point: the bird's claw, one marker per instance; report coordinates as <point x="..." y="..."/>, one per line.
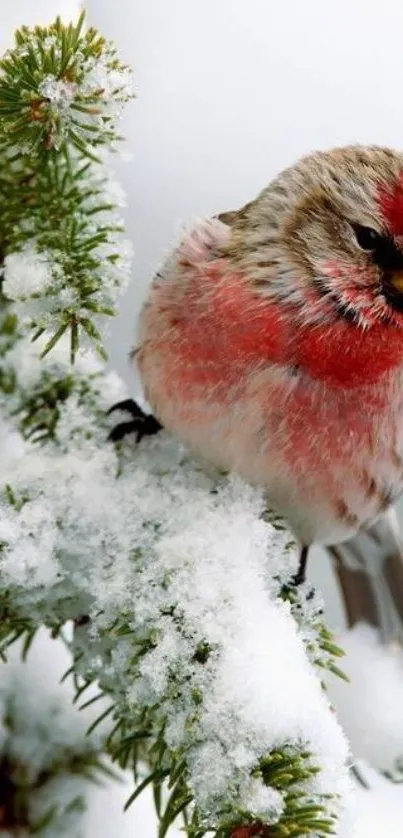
<point x="141" y="424"/>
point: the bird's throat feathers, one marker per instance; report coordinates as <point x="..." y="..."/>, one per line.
<point x="349" y="355"/>
<point x="229" y="323"/>
<point x="224" y="326"/>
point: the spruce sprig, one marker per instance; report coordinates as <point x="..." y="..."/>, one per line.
<point x="61" y="95"/>
<point x="61" y="85"/>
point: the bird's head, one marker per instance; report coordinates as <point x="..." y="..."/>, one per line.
<point x="326" y="237"/>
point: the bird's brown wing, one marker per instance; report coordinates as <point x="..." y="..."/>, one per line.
<point x="228" y="218"/>
<point x="369" y="569"/>
<point x="235" y="217"/>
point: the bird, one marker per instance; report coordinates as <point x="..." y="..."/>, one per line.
<point x="271" y="344"/>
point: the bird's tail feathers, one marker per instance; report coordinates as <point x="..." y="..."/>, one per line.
<point x="369" y="569"/>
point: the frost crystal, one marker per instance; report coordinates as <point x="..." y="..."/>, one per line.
<point x="46" y="756"/>
<point x="66" y="257"/>
<point x="100" y="89"/>
<point x="46" y="284"/>
<point x="27" y="273"/>
<point x="264" y="803"/>
<point x="59" y="92"/>
<point x="84" y="392"/>
<point x="103" y="75"/>
<point x="370" y="706"/>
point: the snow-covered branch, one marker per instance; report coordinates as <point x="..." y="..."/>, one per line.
<point x="46" y="757"/>
<point x="65" y="260"/>
<point x="177" y="581"/>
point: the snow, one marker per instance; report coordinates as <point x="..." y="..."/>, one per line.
<point x="23" y="361"/>
<point x="379" y="812"/>
<point x="115" y="83"/>
<point x="40" y="729"/>
<point x="26" y="273"/>
<point x="187" y="557"/>
<point x="44" y="717"/>
<point x="100" y="92"/>
<point x="370" y="707"/>
<point x="76" y="533"/>
<point x="41" y="285"/>
<point x="48" y="286"/>
<point x="60" y="92"/>
<point x="379" y="809"/>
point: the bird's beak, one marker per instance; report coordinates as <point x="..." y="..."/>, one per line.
<point x="396" y="280"/>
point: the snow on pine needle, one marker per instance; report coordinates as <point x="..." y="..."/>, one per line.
<point x="370" y="705"/>
<point x="62" y="84"/>
<point x="28" y="274"/>
<point x="180" y="576"/>
<point x="51" y="400"/>
<point x="46" y="757"/>
<point x="66" y="260"/>
<point x="69" y="292"/>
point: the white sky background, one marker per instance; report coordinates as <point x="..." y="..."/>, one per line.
<point x="14" y="13"/>
<point x="230" y="92"/>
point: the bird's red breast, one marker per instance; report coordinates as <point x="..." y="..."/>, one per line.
<point x="245" y="383"/>
<point x="215" y="326"/>
<point x="225" y="323"/>
<point x="347" y="355"/>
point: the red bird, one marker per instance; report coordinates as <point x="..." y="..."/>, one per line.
<point x="272" y="344"/>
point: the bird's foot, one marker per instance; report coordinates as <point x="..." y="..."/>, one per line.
<point x="300" y="576"/>
<point x="141" y="424"/>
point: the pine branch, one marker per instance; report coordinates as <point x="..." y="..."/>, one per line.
<point x="66" y="262"/>
<point x="46" y="759"/>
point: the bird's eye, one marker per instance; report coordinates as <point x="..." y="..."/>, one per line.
<point x="367" y="238"/>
